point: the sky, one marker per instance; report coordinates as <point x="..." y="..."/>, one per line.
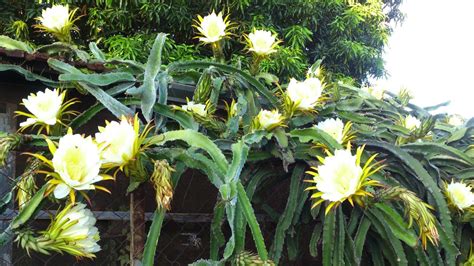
<point x="432" y="54"/>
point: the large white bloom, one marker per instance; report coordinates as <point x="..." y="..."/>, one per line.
<point x="269" y="119"/>
<point x="339" y="176"/>
<point x="77" y="162"/>
<point x="45" y="107"/>
<point x="197" y="108"/>
<point x="411" y="122"/>
<point x="334" y="127"/>
<point x="304" y="93"/>
<point x="212" y="27"/>
<point x="77" y="228"/>
<point x="118" y="142"/>
<point x="262" y="42"/>
<point x="55" y="18"/>
<point x="461" y="195"/>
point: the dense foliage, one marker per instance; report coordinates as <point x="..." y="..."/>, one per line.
<point x="386" y="181"/>
<point x="349" y="35"/>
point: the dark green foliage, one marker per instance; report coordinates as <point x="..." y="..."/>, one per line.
<point x="349" y="35"/>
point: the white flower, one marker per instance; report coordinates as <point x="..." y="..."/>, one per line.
<point x="269" y="119"/>
<point x="334" y="127"/>
<point x="118" y="142"/>
<point x="411" y="122"/>
<point x="304" y="93"/>
<point x="77" y="162"/>
<point x="376" y="92"/>
<point x="45" y="107"/>
<point x="212" y="27"/>
<point x="456" y="120"/>
<point x="55" y="18"/>
<point x="339" y="176"/>
<point x="76" y="227"/>
<point x="262" y="42"/>
<point x="197" y="108"/>
<point x="461" y="195"/>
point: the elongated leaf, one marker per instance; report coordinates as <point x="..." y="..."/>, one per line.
<point x="153" y="65"/>
<point x="396" y="224"/>
<point x="100" y="80"/>
<point x="315" y="236"/>
<point x="252" y="221"/>
<point x="230" y="246"/>
<point x="315" y="135"/>
<point x="62" y="67"/>
<point x="287" y="215"/>
<point x="424" y="177"/>
<point x="329" y="234"/>
<point x="120" y="88"/>
<point x="98" y="54"/>
<point x="152" y="238"/>
<point x="229" y="69"/>
<point x="393" y="250"/>
<point x="113" y="105"/>
<point x="217" y="237"/>
<point x="437" y="148"/>
<point x="162" y="85"/>
<point x="5" y="200"/>
<point x="30" y="76"/>
<point x="198" y="140"/>
<point x="359" y="240"/>
<point x="27" y="212"/>
<point x="340" y="239"/>
<point x="11" y="44"/>
<point x="239" y="157"/>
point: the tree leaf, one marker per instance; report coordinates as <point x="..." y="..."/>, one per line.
<point x="100" y="80"/>
<point x="287" y="216"/>
<point x="11" y="44"/>
<point x="153" y="65"/>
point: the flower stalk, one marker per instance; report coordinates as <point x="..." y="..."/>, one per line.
<point x="416" y="210"/>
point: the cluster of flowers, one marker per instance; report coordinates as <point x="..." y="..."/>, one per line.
<point x="79" y="162"/>
<point x="340" y="176"/>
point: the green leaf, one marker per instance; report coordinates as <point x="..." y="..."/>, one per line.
<point x="153" y="65"/>
<point x="396" y="224"/>
<point x="315" y="236"/>
<point x="436" y="148"/>
<point x="62" y="67"/>
<point x="152" y="238"/>
<point x="340" y="239"/>
<point x="11" y="44"/>
<point x="113" y="105"/>
<point x="287" y="216"/>
<point x="198" y="140"/>
<point x="329" y="234"/>
<point x="315" y="135"/>
<point x="394" y="250"/>
<point x="98" y="54"/>
<point x="100" y="80"/>
<point x="5" y="201"/>
<point x="252" y="221"/>
<point x="30" y="76"/>
<point x="27" y="212"/>
<point x="239" y="157"/>
<point x="424" y="177"/>
<point x="217" y="237"/>
<point x="229" y="69"/>
<point x="230" y="246"/>
<point x="359" y="240"/>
